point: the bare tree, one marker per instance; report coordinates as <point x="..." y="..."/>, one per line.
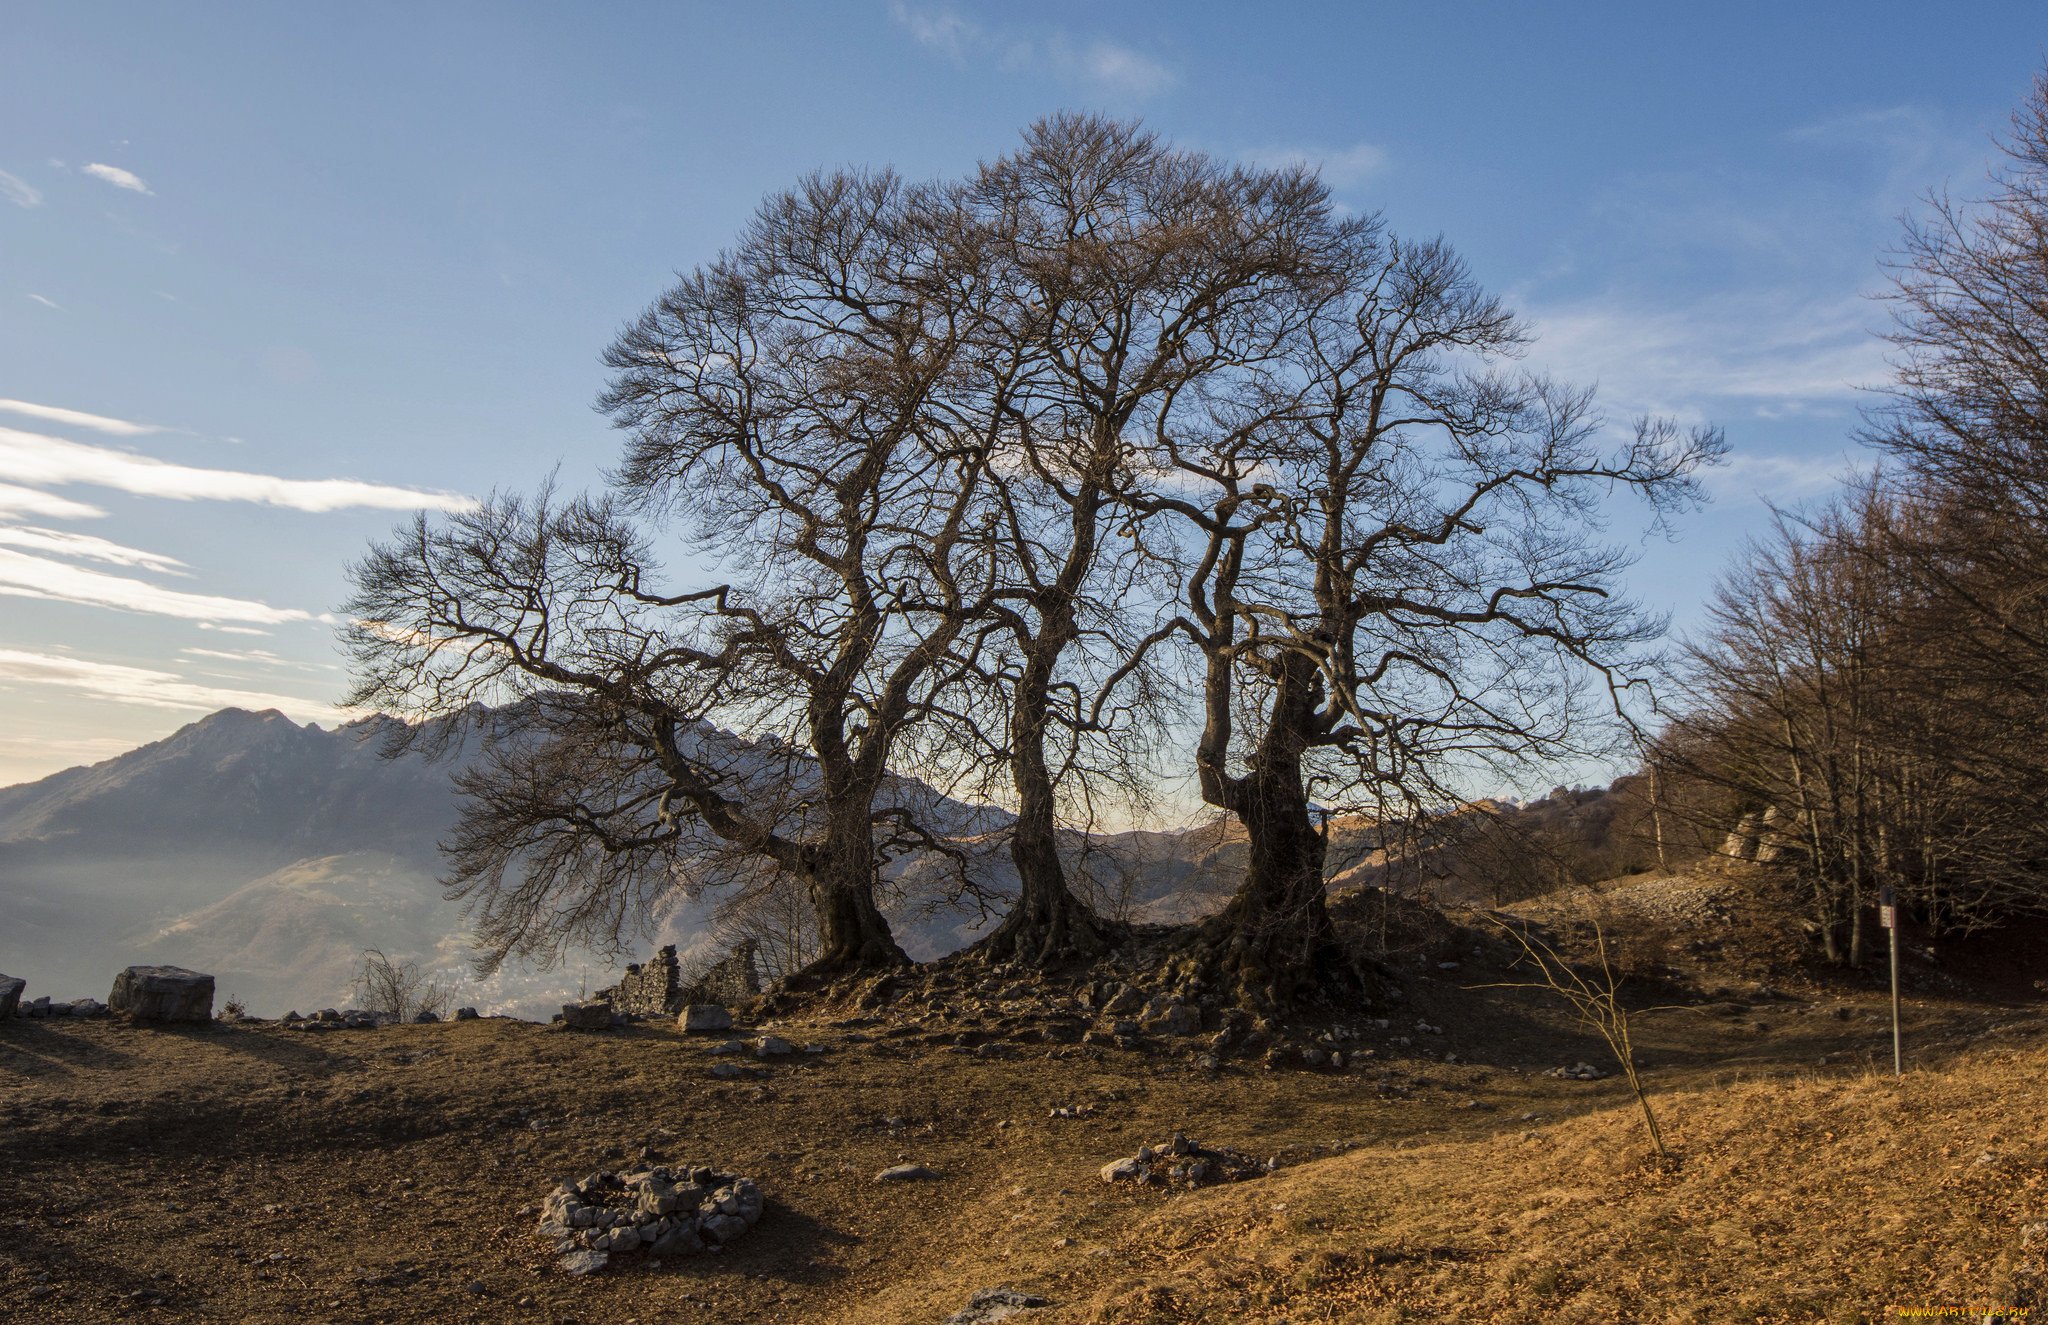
<point x="397" y="989"/>
<point x="1393" y="576"/>
<point x="784" y="406"/>
<point x="1130" y="273"/>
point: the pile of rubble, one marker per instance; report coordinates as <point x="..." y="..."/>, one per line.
<point x="1184" y="1163"/>
<point x="660" y="1211"/>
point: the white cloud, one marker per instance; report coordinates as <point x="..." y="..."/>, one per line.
<point x="1765" y="353"/>
<point x="149" y="688"/>
<point x="52" y="461"/>
<point x="232" y="630"/>
<point x="45" y="302"/>
<point x="19" y="191"/>
<point x="260" y="657"/>
<point x="76" y="418"/>
<point x="1109" y="67"/>
<point x="119" y="178"/>
<point x="87" y="548"/>
<point x="1778" y="477"/>
<point x="943" y="30"/>
<point x="1340" y="167"/>
<point x="44" y="505"/>
<point x="1098" y="63"/>
<point x="25" y="576"/>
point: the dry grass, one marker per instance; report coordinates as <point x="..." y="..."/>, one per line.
<point x="1816" y="1199"/>
<point x="248" y="1173"/>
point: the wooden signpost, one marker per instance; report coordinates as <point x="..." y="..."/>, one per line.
<point x="1888" y="916"/>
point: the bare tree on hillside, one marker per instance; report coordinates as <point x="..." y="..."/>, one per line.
<point x="1392" y="574"/>
<point x="786" y="405"/>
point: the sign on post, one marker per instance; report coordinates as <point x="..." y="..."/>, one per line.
<point x="1888" y="916"/>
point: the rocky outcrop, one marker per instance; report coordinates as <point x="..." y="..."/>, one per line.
<point x="163" y="993"/>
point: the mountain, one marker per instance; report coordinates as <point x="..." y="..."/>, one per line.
<point x="271" y="854"/>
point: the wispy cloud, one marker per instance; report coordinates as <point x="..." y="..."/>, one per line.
<point x="258" y="657"/>
<point x="43" y="505"/>
<point x="23" y="575"/>
<point x="1108" y="66"/>
<point x="1765" y="354"/>
<point x="74" y="417"/>
<point x="1779" y="477"/>
<point x="84" y="547"/>
<point x="1097" y="63"/>
<point x="46" y="303"/>
<point x="19" y="191"/>
<point x="1340" y="167"/>
<point x="147" y="687"/>
<point x="44" y="461"/>
<point x="232" y="630"/>
<point x="119" y="178"/>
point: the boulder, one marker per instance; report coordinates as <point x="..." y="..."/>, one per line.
<point x="991" y="1305"/>
<point x="906" y="1173"/>
<point x="587" y="1016"/>
<point x="87" y="1007"/>
<point x="465" y="1014"/>
<point x="705" y="1017"/>
<point x="163" y="993"/>
<point x="10" y="994"/>
<point x="772" y="1046"/>
<point x="425" y="1017"/>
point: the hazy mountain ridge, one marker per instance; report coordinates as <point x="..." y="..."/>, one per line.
<point x="271" y="854"/>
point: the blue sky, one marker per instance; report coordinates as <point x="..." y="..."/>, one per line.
<point x="272" y="274"/>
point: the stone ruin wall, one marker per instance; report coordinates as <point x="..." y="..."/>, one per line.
<point x="648" y="990"/>
<point x="657" y="988"/>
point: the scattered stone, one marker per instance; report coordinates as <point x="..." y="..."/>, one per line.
<point x="661" y="1211"/>
<point x="425" y="1017"/>
<point x="705" y="1017"/>
<point x="1185" y="1163"/>
<point x="729" y="1047"/>
<point x="86" y="1007"/>
<point x="1577" y="1072"/>
<point x="10" y="994"/>
<point x="465" y="1014"/>
<point x="728" y="1071"/>
<point x="1171" y="1017"/>
<point x="587" y="1016"/>
<point x="906" y="1173"/>
<point x="990" y="1305"/>
<point x="773" y="1046"/>
<point x="163" y="993"/>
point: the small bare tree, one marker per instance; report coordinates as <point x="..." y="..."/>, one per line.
<point x="398" y="989"/>
<point x="1597" y="1000"/>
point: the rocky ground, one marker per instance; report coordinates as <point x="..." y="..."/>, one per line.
<point x="940" y="1139"/>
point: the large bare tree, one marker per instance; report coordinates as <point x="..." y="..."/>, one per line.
<point x="1129" y="274"/>
<point x="1394" y="576"/>
<point x="785" y="407"/>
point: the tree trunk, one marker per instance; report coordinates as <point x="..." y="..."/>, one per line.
<point x="1274" y="945"/>
<point x="853" y="935"/>
<point x="1048" y="923"/>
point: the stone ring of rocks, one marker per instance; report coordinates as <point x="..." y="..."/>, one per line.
<point x="1184" y="1163"/>
<point x="660" y="1211"/>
